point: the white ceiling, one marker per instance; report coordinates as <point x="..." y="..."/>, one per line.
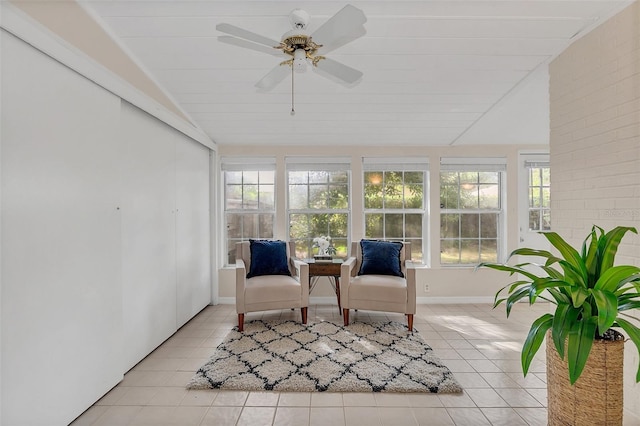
<point x="450" y="72"/>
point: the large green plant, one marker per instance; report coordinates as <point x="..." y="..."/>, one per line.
<point x="588" y="290"/>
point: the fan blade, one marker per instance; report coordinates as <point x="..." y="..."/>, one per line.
<point x="273" y="77"/>
<point x="338" y="72"/>
<point x="342" y="28"/>
<point x="248" y="35"/>
<point x="249" y="45"/>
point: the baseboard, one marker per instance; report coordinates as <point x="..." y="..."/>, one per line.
<point x="419" y="300"/>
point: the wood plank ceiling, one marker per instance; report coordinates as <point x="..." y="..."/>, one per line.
<point x="450" y="72"/>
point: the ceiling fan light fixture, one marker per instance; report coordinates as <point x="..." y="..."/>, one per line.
<point x="300" y="60"/>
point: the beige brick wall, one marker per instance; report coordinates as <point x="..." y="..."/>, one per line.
<point x="595" y="132"/>
<point x="595" y="147"/>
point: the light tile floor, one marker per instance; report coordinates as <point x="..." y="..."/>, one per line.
<point x="477" y="343"/>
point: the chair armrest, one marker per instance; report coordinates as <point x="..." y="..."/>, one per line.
<point x="410" y="276"/>
<point x="346" y="270"/>
<point x="241" y="282"/>
<point x="302" y="273"/>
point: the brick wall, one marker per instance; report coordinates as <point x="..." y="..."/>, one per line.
<point x="595" y="132"/>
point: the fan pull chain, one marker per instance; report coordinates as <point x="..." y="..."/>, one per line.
<point x="293" y="111"/>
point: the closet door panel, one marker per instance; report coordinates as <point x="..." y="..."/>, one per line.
<point x="193" y="253"/>
<point x="148" y="233"/>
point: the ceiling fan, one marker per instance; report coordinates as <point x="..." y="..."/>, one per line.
<point x="300" y="48"/>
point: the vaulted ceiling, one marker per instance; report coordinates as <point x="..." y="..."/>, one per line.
<point x="448" y="72"/>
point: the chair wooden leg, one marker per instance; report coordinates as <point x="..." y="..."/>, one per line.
<point x="410" y="321"/>
<point x="240" y="322"/>
<point x="345" y="316"/>
<point x="304" y="315"/>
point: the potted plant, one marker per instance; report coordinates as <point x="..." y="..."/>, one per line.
<point x="590" y="294"/>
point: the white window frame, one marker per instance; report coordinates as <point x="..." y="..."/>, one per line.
<point x="245" y="164"/>
<point x="311" y="164"/>
<point x="537" y="164"/>
<point x="477" y="164"/>
<point x="400" y="164"/>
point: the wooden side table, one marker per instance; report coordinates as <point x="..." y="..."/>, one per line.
<point x="326" y="269"/>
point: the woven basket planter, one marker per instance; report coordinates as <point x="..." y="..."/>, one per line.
<point x="596" y="397"/>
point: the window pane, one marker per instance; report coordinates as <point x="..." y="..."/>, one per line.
<point x="250" y="197"/>
<point x="233" y="197"/>
<point x="468" y="196"/>
<point x="546" y="220"/>
<point x="372" y="196"/>
<point x="448" y="196"/>
<point x="469" y="251"/>
<point x="250" y="177"/>
<point x="416" y="249"/>
<point x="318" y="177"/>
<point x="413" y="195"/>
<point x="298" y="227"/>
<point x="267" y="177"/>
<point x="413" y="226"/>
<point x="339" y="196"/>
<point x="546" y="176"/>
<point x="489" y="250"/>
<point x="489" y="225"/>
<point x="535" y="197"/>
<point x="266" y="197"/>
<point x="298" y="197"/>
<point x="546" y="197"/>
<point x="265" y="225"/>
<point x="489" y="196"/>
<point x="234" y="225"/>
<point x="373" y="225"/>
<point x="468" y="177"/>
<point x="449" y="225"/>
<point x="339" y="177"/>
<point x="231" y="251"/>
<point x="337" y="225"/>
<point x="340" y="245"/>
<point x="449" y="251"/>
<point x="318" y="196"/>
<point x="534" y="220"/>
<point x="488" y="177"/>
<point x="393" y="226"/>
<point x="469" y="225"/>
<point x="413" y="177"/>
<point x="298" y="178"/>
<point x="249" y="226"/>
<point x="233" y="177"/>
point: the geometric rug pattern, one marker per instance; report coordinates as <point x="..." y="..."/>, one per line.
<point x="289" y="356"/>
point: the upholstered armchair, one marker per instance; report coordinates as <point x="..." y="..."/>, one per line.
<point x="379" y="276"/>
<point x="267" y="278"/>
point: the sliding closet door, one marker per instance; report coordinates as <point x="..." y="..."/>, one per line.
<point x="192" y="230"/>
<point x="61" y="276"/>
<point x="148" y="233"/>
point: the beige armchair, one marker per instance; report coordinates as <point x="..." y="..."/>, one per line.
<point x="377" y="286"/>
<point x="275" y="280"/>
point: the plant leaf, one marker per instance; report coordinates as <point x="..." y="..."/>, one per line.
<point x="608" y="246"/>
<point x="563" y="320"/>
<point x="616" y="276"/>
<point x="607" y="304"/>
<point x="579" y="295"/>
<point x="569" y="254"/>
<point x="579" y="346"/>
<point x="534" y="340"/>
<point x="634" y="334"/>
<point x="507" y="268"/>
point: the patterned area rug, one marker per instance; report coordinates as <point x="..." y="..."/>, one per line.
<point x="289" y="356"/>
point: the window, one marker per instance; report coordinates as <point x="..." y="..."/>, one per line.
<point x="249" y="200"/>
<point x="539" y="195"/>
<point x="470" y="211"/>
<point x="394" y="201"/>
<point x="318" y="190"/>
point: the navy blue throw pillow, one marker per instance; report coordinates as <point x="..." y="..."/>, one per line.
<point x="268" y="258"/>
<point x="381" y="258"/>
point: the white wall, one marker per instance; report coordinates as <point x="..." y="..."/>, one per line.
<point x="595" y="146"/>
<point x="98" y="268"/>
<point x="446" y="284"/>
